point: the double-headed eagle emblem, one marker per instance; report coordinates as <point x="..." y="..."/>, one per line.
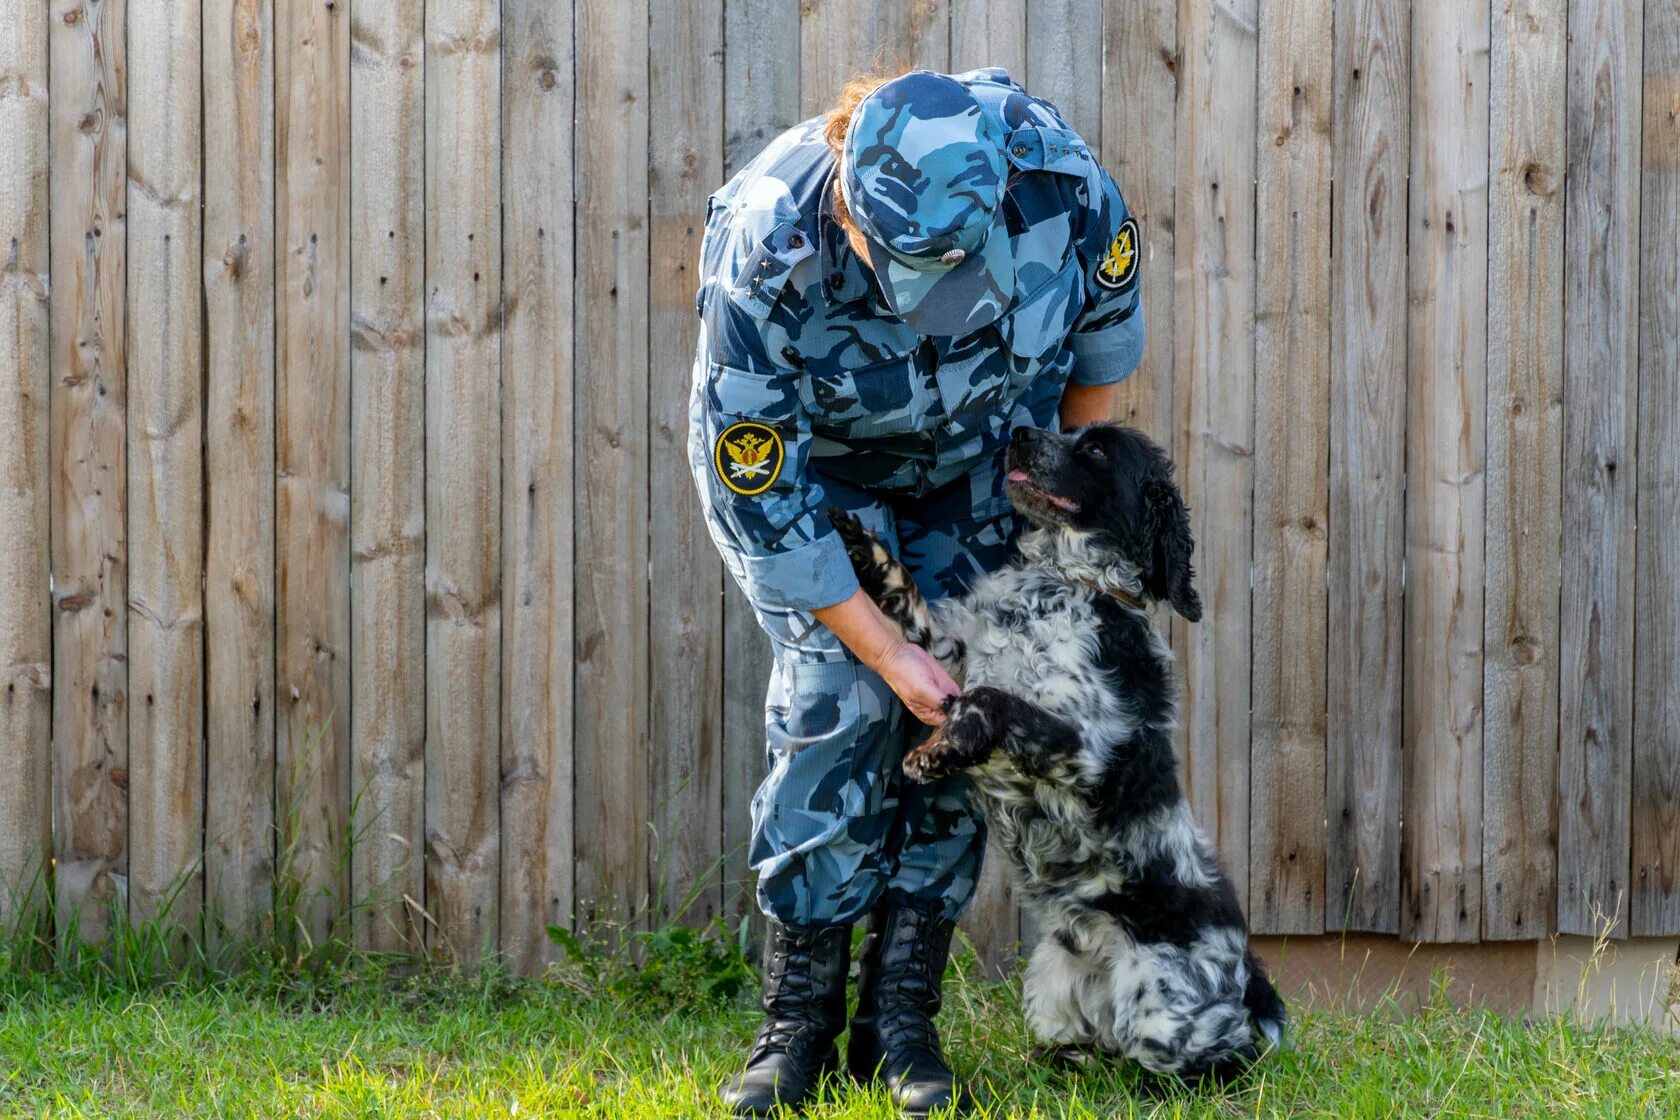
<point x="1119" y="265"/>
<point x="754" y="457"/>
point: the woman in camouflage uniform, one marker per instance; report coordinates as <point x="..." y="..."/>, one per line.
<point x="889" y="291"/>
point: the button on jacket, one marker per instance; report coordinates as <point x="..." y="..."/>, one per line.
<point x="803" y="371"/>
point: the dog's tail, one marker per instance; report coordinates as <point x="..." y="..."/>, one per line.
<point x="1264" y="1004"/>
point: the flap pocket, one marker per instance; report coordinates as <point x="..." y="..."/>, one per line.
<point x="883" y="399"/>
<point x="1038" y="324"/>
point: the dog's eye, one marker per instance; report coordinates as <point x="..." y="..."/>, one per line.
<point x="1094" y="451"/>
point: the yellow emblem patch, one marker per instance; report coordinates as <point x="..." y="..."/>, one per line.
<point x="748" y="457"/>
<point x="1120" y="265"/>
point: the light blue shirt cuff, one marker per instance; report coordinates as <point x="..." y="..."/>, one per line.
<point x="812" y="576"/>
<point x="1110" y="355"/>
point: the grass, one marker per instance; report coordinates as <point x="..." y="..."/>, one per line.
<point x="599" y="1038"/>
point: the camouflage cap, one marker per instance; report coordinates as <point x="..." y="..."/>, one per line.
<point x="924" y="175"/>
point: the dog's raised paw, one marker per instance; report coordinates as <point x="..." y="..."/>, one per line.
<point x="922" y="765"/>
<point x="870" y="558"/>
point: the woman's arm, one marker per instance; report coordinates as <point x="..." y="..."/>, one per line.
<point x="920" y="681"/>
<point x="1087" y="404"/>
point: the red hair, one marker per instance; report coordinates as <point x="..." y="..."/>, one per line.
<point x="839" y="118"/>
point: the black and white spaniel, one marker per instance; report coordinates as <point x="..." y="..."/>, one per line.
<point x="1065" y="724"/>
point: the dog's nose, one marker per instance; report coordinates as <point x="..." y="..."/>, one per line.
<point x="1020" y="437"/>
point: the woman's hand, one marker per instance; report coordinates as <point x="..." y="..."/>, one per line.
<point x="920" y="681"/>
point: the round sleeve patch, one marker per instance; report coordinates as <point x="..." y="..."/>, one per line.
<point x="1120" y="265"/>
<point x="748" y="457"/>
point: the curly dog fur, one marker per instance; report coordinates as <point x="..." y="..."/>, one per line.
<point x="1065" y="725"/>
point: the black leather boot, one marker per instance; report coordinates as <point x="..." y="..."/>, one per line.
<point x="899" y="992"/>
<point x="804" y="1011"/>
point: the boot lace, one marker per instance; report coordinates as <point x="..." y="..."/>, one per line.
<point x="907" y="997"/>
<point x="790" y="1024"/>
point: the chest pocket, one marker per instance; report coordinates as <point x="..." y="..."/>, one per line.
<point x="1037" y="326"/>
<point x="762" y="277"/>
<point x="887" y="398"/>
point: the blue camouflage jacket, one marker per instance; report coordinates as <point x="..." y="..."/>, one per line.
<point x="802" y="372"/>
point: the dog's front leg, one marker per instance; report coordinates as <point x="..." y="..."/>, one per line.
<point x="984" y="720"/>
<point x="886" y="580"/>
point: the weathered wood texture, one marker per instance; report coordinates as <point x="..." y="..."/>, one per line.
<point x="463" y="476"/>
<point x="1524" y="457"/>
<point x="760" y="100"/>
<point x="685" y="631"/>
<point x="387" y="470"/>
<point x="1140" y="66"/>
<point x="1213" y="439"/>
<point x="1656" y="658"/>
<point x="89" y="431"/>
<point x="1291" y="467"/>
<point x="538" y="843"/>
<point x="343" y="465"/>
<point x="1065" y="61"/>
<point x="989" y="33"/>
<point x="25" y="605"/>
<point x="1447" y="266"/>
<point x="1600" y="395"/>
<point x="165" y="464"/>
<point x="312" y="459"/>
<point x="839" y="38"/>
<point x="1370" y="127"/>
<point x="611" y="447"/>
<point x="239" y="465"/>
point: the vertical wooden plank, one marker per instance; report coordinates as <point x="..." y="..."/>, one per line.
<point x="387" y="469"/>
<point x="312" y="456"/>
<point x="165" y="465"/>
<point x="1447" y="351"/>
<point x="1214" y="375"/>
<point x="1524" y="445"/>
<point x="1292" y="464"/>
<point x="993" y="33"/>
<point x="761" y="99"/>
<point x="25" y="386"/>
<point x="463" y="475"/>
<point x="537" y="557"/>
<point x="1656" y="696"/>
<point x="239" y="464"/>
<point x="1140" y="148"/>
<point x="1065" y="61"/>
<point x="611" y="495"/>
<point x="839" y="38"/>
<point x="1600" y="387"/>
<point x="685" y="719"/>
<point x="987" y="33"/>
<point x="1370" y="130"/>
<point x="88" y="222"/>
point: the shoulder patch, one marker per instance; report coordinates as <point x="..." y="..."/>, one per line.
<point x="748" y="457"/>
<point x="1120" y="264"/>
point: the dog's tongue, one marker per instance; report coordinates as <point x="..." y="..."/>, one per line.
<point x="1018" y="476"/>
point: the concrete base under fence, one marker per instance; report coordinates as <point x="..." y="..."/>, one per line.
<point x="1637" y="980"/>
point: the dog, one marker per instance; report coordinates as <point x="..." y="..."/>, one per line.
<point x="1065" y="725"/>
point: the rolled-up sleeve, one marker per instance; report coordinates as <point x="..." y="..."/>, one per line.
<point x="783" y="547"/>
<point x="750" y="437"/>
<point x="1107" y="339"/>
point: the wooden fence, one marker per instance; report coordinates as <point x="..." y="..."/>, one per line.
<point x="344" y="355"/>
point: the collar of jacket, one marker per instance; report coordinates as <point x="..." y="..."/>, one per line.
<point x="845" y="277"/>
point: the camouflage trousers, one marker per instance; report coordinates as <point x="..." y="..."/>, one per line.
<point x="835" y="824"/>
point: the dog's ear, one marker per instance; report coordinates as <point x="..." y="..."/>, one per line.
<point x="1171" y="576"/>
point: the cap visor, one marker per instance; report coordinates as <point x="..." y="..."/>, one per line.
<point x="959" y="301"/>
